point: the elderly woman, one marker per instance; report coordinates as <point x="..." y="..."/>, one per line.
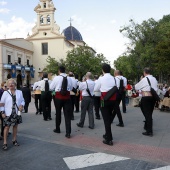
<point x="12" y="103"/>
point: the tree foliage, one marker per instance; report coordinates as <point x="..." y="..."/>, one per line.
<point x="149" y="46"/>
<point x="80" y="60"/>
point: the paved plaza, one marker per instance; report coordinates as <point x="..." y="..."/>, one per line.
<point x="41" y="149"/>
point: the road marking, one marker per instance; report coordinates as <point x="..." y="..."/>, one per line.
<point x="87" y="160"/>
<point x="163" y="168"/>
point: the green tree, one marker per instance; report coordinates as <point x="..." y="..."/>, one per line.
<point x="80" y="60"/>
<point x="83" y="59"/>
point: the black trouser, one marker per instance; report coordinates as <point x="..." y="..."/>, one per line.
<point x="38" y="104"/>
<point x="107" y="112"/>
<point x="124" y="102"/>
<point x="147" y="107"/>
<point x="26" y="107"/>
<point x="2" y="127"/>
<point x="97" y="106"/>
<point x="72" y="97"/>
<point x="66" y="105"/>
<point x="117" y="111"/>
<point x="77" y="102"/>
<point x="46" y="104"/>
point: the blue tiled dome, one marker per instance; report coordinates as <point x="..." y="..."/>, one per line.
<point x="72" y="34"/>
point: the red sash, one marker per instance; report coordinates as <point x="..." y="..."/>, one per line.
<point x="104" y="94"/>
<point x="61" y="97"/>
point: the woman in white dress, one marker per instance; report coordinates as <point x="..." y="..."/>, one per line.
<point x="12" y="103"/>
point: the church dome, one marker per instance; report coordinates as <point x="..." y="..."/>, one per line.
<point x="72" y="34"/>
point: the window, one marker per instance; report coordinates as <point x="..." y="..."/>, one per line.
<point x="44" y="48"/>
<point x="9" y="59"/>
<point x="19" y="60"/>
<point x="48" y="19"/>
<point x="28" y="62"/>
<point x="44" y="5"/>
<point x="41" y="20"/>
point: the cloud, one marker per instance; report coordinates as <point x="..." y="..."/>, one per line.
<point x="113" y="21"/>
<point x="4" y="10"/>
<point x="82" y="24"/>
<point x="16" y="28"/>
<point x="3" y="3"/>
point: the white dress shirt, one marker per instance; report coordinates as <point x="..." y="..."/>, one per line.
<point x="41" y="84"/>
<point x="74" y="82"/>
<point x="35" y="86"/>
<point x="83" y="87"/>
<point x="118" y="78"/>
<point x="97" y="93"/>
<point x="105" y="83"/>
<point x="57" y="83"/>
<point x="7" y="100"/>
<point x="143" y="85"/>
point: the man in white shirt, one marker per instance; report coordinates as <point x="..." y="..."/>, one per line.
<point x="87" y="88"/>
<point x="105" y="84"/>
<point x="77" y="95"/>
<point x="62" y="100"/>
<point x="37" y="93"/>
<point x="46" y="96"/>
<point x="97" y="95"/>
<point x="124" y="92"/>
<point x="147" y="101"/>
<point x="118" y="78"/>
<point x="72" y="93"/>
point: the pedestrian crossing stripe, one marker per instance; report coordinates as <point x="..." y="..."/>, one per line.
<point x="163" y="168"/>
<point x="88" y="160"/>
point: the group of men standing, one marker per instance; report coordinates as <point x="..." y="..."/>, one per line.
<point x="65" y="88"/>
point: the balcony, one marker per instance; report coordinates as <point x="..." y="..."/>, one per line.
<point x="18" y="67"/>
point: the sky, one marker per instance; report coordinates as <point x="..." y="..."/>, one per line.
<point x="98" y="21"/>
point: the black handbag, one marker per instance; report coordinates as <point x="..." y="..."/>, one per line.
<point x="153" y="92"/>
<point x="111" y="92"/>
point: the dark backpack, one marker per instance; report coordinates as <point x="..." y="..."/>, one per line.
<point x="46" y="85"/>
<point x="121" y="87"/>
<point x="64" y="86"/>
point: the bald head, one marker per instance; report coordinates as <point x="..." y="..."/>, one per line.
<point x="117" y="73"/>
<point x="88" y="75"/>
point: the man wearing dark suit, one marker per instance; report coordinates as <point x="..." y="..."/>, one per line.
<point x="27" y="96"/>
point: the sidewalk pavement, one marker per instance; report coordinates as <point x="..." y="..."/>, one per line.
<point x="128" y="141"/>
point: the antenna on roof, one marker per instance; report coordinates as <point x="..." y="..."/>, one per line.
<point x="70" y="21"/>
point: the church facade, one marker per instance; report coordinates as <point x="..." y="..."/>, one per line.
<point x="27" y="57"/>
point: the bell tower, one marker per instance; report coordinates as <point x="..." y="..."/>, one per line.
<point x="45" y="19"/>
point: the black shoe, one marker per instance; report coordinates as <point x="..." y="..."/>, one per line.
<point x="67" y="135"/>
<point x="45" y="120"/>
<point x="91" y="127"/>
<point x="120" y="125"/>
<point x="98" y="118"/>
<point x="4" y="147"/>
<point x="104" y="136"/>
<point x="56" y="131"/>
<point x="40" y="113"/>
<point x="79" y="125"/>
<point x="50" y="118"/>
<point x="124" y="112"/>
<point x="108" y="142"/>
<point x="148" y="134"/>
<point x="36" y="113"/>
<point x="15" y="143"/>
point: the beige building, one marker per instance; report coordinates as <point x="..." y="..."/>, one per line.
<point x="46" y="37"/>
<point x="32" y="52"/>
<point x="18" y="53"/>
